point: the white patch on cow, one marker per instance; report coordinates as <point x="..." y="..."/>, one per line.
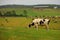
<point x="46" y="21"/>
<point x="37" y="20"/>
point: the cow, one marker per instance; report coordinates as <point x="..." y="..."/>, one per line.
<point x="40" y="21"/>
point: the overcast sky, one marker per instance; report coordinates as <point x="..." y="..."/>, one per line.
<point x="29" y="2"/>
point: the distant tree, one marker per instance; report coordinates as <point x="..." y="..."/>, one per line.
<point x="13" y="13"/>
<point x="10" y="13"/>
<point x="21" y="15"/>
<point x="7" y="13"/>
<point x="0" y="13"/>
<point x="25" y="13"/>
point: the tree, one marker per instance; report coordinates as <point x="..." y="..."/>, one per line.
<point x="21" y="15"/>
<point x="0" y="13"/>
<point x="25" y="13"/>
<point x="8" y="13"/>
<point x="13" y="13"/>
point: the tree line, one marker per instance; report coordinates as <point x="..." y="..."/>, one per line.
<point x="14" y="14"/>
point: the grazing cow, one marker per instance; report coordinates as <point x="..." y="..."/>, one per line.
<point x="36" y="22"/>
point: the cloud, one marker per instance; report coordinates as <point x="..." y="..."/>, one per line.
<point x="29" y="2"/>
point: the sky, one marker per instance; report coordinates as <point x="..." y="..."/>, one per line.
<point x="29" y="2"/>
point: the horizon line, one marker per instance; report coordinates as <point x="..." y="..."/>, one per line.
<point x="29" y="4"/>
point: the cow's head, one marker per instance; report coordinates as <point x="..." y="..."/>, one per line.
<point x="32" y="24"/>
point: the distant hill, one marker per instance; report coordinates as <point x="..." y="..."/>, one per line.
<point x="28" y="6"/>
<point x="14" y="6"/>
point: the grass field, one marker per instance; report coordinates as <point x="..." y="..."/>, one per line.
<point x="21" y="33"/>
<point x="16" y="28"/>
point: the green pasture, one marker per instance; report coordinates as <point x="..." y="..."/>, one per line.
<point x="22" y="33"/>
<point x="17" y="29"/>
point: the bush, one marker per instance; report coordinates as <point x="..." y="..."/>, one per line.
<point x="7" y="13"/>
<point x="10" y="13"/>
<point x="25" y="13"/>
<point x="0" y="13"/>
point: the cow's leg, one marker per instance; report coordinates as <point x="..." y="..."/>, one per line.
<point x="36" y="26"/>
<point x="47" y="27"/>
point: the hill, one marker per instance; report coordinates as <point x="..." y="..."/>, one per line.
<point x="27" y="6"/>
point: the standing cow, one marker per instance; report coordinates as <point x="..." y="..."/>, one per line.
<point x="36" y="22"/>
